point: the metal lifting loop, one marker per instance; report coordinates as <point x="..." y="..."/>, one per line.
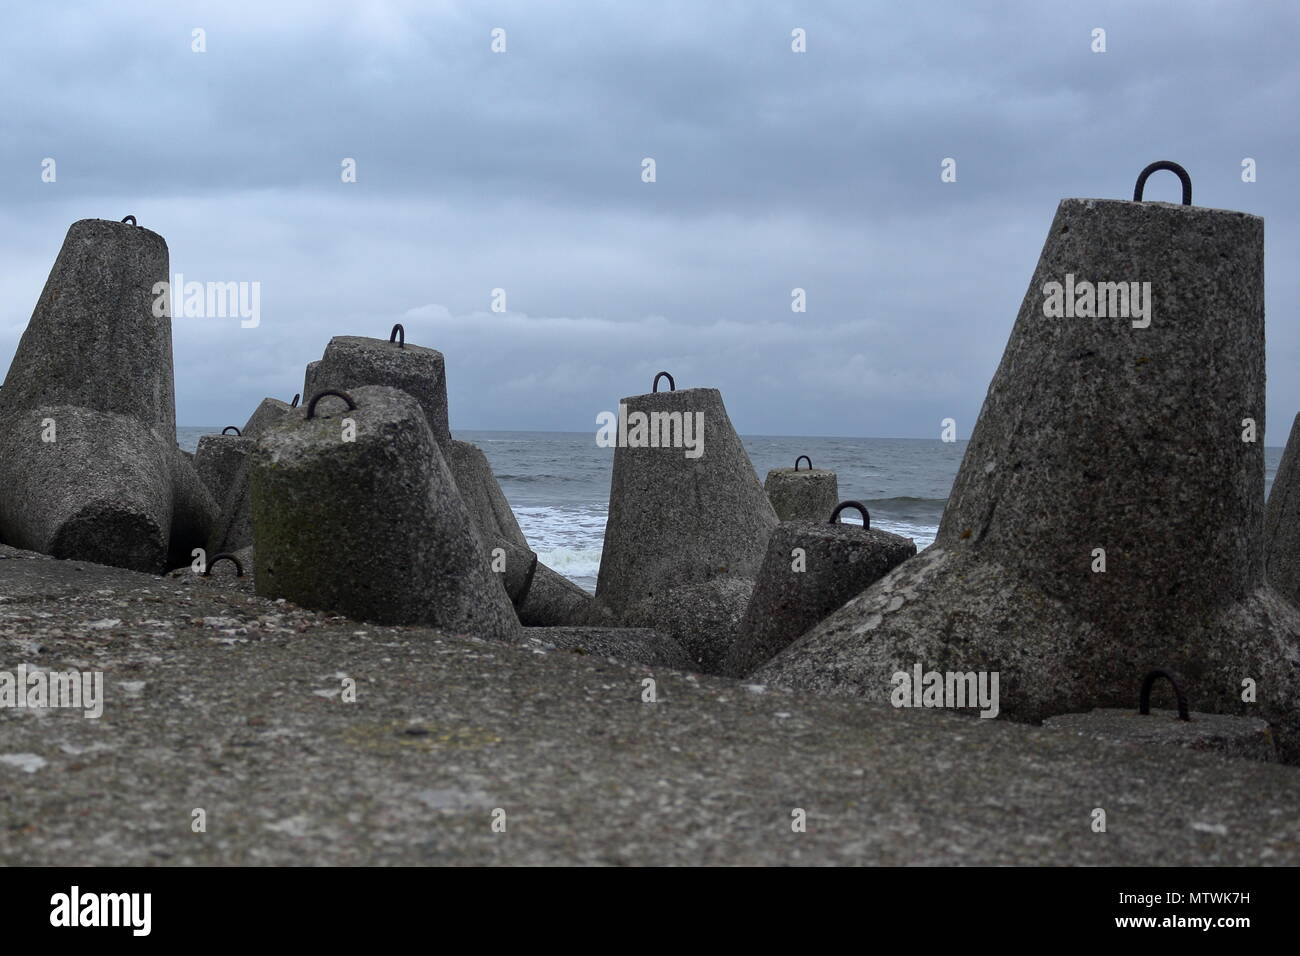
<point x="866" y="517"/>
<point x="398" y="335"/>
<point x="1185" y="179"/>
<point x="672" y="385"/>
<point x="803" y="458"/>
<point x="296" y="398"/>
<point x="233" y="428"/>
<point x="311" y="406"/>
<point x="239" y="568"/>
<point x="130" y="219"/>
<point x="1144" y="698"/>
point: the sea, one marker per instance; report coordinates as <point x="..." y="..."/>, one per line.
<point x="557" y="483"/>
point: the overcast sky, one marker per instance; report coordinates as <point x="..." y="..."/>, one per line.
<point x="523" y="171"/>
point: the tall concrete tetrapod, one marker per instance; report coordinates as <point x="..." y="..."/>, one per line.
<point x="685" y="506"/>
<point x="351" y="361"/>
<point x="89" y="467"/>
<point x="1107" y="516"/>
<point x="354" y="510"/>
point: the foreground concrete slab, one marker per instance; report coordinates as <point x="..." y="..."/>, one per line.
<point x="233" y="704"/>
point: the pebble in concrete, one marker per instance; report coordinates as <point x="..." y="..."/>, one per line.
<point x="703" y="618"/>
<point x="1246" y="738"/>
<point x="371" y="527"/>
<point x="802" y="493"/>
<point x="1111" y="442"/>
<point x="811" y="569"/>
<point x="685" y="506"/>
<point x="1282" y="522"/>
<point x="89" y="467"/>
<point x="351" y="361"/>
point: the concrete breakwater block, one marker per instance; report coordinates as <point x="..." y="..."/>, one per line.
<point x="705" y="618"/>
<point x="553" y="601"/>
<point x="267" y="413"/>
<point x="514" y="566"/>
<point x="811" y="569"/>
<point x="685" y="506"/>
<point x="482" y="493"/>
<point x="355" y="511"/>
<point x="1107" y="515"/>
<point x="1282" y="522"/>
<point x="222" y="463"/>
<point x="802" y="493"/>
<point x="351" y="361"/>
<point x="629" y="645"/>
<point x="95" y="486"/>
<point x="94" y="339"/>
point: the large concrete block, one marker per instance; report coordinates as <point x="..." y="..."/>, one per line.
<point x="1114" y="439"/>
<point x="373" y="527"/>
<point x="222" y="462"/>
<point x="93" y="339"/>
<point x="807" y="494"/>
<point x="811" y="569"/>
<point x="703" y="618"/>
<point x="482" y="493"/>
<point x="267" y="413"/>
<point x="553" y="601"/>
<point x="97" y="486"/>
<point x="351" y="361"/>
<point x="682" y="513"/>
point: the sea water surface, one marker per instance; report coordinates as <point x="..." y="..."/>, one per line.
<point x="558" y="483"/>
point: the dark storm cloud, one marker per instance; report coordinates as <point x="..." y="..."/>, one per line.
<point x="522" y="171"/>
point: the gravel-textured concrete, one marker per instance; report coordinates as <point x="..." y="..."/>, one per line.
<point x="1282" y="522"/>
<point x="93" y="340"/>
<point x="267" y="413"/>
<point x="351" y="361"/>
<point x="675" y="520"/>
<point x="809" y="494"/>
<point x="1099" y="435"/>
<point x="105" y="489"/>
<point x="89" y="466"/>
<point x="373" y="527"/>
<point x="1241" y="737"/>
<point x="628" y="645"/>
<point x="703" y="618"/>
<point x="234" y="704"/>
<point x="810" y="570"/>
<point x="222" y="463"/>
<point x="553" y="600"/>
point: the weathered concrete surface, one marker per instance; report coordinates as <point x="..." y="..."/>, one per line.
<point x="628" y="645"/>
<point x="270" y="411"/>
<point x="106" y="482"/>
<point x="703" y="618"/>
<point x="809" y="494"/>
<point x="351" y="361"/>
<point x="1099" y="435"/>
<point x="231" y="703"/>
<point x="553" y="600"/>
<point x="105" y="489"/>
<point x="93" y="340"/>
<point x="675" y="520"/>
<point x="372" y="527"/>
<point x="1282" y="522"/>
<point x="835" y="562"/>
<point x="1240" y="737"/>
<point x="482" y="493"/>
<point x="222" y="463"/>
